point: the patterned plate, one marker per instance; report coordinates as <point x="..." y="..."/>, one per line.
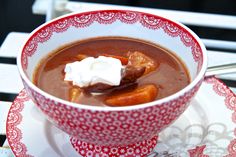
<point x="206" y="129"/>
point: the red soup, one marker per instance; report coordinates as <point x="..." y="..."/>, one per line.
<point x="149" y="72"/>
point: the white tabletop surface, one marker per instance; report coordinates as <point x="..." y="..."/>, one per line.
<point x="10" y="81"/>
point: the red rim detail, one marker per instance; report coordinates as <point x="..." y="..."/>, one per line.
<point x="230" y="101"/>
<point x="13" y="133"/>
<point x="82" y="20"/>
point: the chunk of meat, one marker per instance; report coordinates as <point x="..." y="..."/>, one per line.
<point x="140" y="95"/>
<point x="131" y="73"/>
<point x="139" y="59"/>
<point x="74" y="94"/>
<point x="97" y="88"/>
<point x="128" y="75"/>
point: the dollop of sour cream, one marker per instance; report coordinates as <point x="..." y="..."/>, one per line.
<point x="90" y="71"/>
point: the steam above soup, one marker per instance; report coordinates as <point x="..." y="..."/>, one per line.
<point x="111" y="71"/>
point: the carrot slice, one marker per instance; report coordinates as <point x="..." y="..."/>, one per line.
<point x="143" y="94"/>
<point x="123" y="60"/>
<point x="74" y="94"/>
<point x="81" y="56"/>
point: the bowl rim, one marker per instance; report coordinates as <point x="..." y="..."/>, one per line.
<point x="200" y="76"/>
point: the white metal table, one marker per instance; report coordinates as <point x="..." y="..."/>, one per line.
<point x="10" y="83"/>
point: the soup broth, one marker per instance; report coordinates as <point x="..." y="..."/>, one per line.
<point x="169" y="76"/>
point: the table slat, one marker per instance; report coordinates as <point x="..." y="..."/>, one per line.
<point x="12" y="44"/>
<point x="186" y="17"/>
<point x="219" y="58"/>
<point x="4" y="108"/>
<point x="10" y="81"/>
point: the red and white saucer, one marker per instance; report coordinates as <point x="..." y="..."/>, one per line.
<point x="206" y="129"/>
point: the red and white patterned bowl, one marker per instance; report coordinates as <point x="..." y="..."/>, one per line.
<point x="92" y="127"/>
